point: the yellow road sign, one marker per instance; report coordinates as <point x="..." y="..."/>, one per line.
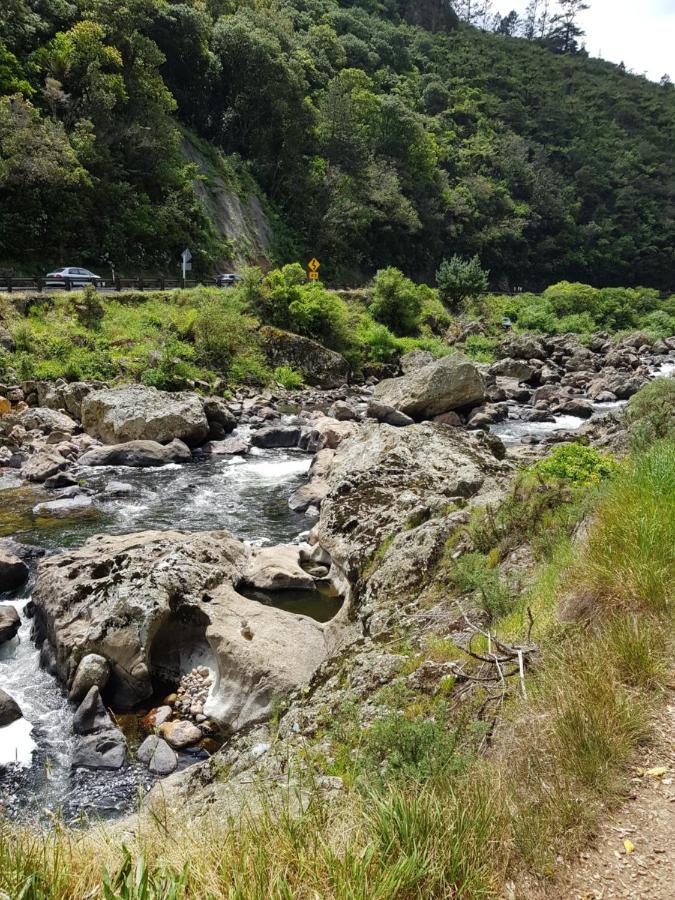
<point x="313" y="276"/>
<point x="313" y="264"/>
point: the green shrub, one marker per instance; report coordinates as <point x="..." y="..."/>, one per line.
<point x="288" y="378"/>
<point x="472" y="574"/>
<point x="396" y="301"/>
<point x="650" y="414"/>
<point x="379" y="343"/>
<point x="576" y="463"/>
<point x="480" y="348"/>
<point x="461" y="280"/>
<point x="222" y="331"/>
<point x="433" y="315"/>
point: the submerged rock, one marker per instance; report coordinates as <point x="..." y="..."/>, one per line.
<point x="136" y="412"/>
<point x="446" y="384"/>
<point x="68" y="506"/>
<point x="138" y="454"/>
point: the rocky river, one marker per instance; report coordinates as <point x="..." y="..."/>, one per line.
<point x="178" y="563"/>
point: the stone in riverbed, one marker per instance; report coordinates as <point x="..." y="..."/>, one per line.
<point x="137" y="454"/>
<point x="60" y="509"/>
<point x="99" y="744"/>
<point x="276" y="436"/>
<point x="277" y="568"/>
<point x="180" y="734"/>
<point x="91" y="715"/>
<point x="449" y="383"/>
<point x="43" y="465"/>
<point x="93" y="671"/>
<point x="47" y="420"/>
<point x="10" y="622"/>
<point x="156" y="717"/>
<point x="387" y="414"/>
<point x="13" y="571"/>
<point x="10" y="710"/>
<point x="136" y="412"/>
<point x="156" y="754"/>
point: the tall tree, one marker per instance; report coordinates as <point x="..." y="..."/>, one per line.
<point x="565" y="28"/>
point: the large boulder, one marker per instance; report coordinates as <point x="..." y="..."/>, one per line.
<point x="449" y="383"/>
<point x="138" y="454"/>
<point x="385" y="481"/>
<point x="10" y="622"/>
<point x="136" y="412"/>
<point x="10" y="710"/>
<point x="319" y="366"/>
<point x="152" y="603"/>
<point x="47" y="420"/>
<point x="523" y="346"/>
<point x="43" y="465"/>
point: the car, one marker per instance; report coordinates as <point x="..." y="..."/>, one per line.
<point x="72" y="276"/>
<point x="227" y="279"/>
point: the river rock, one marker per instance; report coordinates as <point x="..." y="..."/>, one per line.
<point x="233" y="446"/>
<point x="512" y="368"/>
<point x="277" y="569"/>
<point x="150" y="603"/>
<point x="137" y="454"/>
<point x="180" y="734"/>
<point x="10" y="710"/>
<point x="156" y="717"/>
<point x="446" y="384"/>
<point x="43" y="465"/>
<point x="136" y="412"/>
<point x="387" y="414"/>
<point x="10" y="622"/>
<point x="326" y="432"/>
<point x="47" y="420"/>
<point x="414" y="360"/>
<point x="577" y="407"/>
<point x="91" y="715"/>
<point x="101" y="750"/>
<point x="92" y="671"/>
<point x="156" y="754"/>
<point x="63" y="508"/>
<point x="314" y="492"/>
<point x="219" y="416"/>
<point x="319" y="366"/>
<point x="385" y="479"/>
<point x="342" y="411"/>
<point x="523" y="346"/>
<point x="276" y="436"/>
<point x="13" y="570"/>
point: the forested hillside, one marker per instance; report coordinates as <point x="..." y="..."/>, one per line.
<point x="379" y="132"/>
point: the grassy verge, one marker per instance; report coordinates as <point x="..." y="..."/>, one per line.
<point x="427" y="814"/>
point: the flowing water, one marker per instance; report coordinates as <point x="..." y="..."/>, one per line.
<point x="247" y="495"/>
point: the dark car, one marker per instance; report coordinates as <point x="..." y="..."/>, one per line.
<point x="227" y="279"/>
<point x="72" y="276"/>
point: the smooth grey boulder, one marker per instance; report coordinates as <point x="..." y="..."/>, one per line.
<point x="137" y="454"/>
<point x="342" y="411"/>
<point x="387" y="414"/>
<point x="156" y="754"/>
<point x="512" y="368"/>
<point x="276" y="436"/>
<point x="91" y="715"/>
<point x="577" y="407"/>
<point x="233" y="446"/>
<point x="326" y="433"/>
<point x="93" y="671"/>
<point x="136" y="412"/>
<point x="13" y="570"/>
<point x="10" y="622"/>
<point x="10" y="710"/>
<point x="100" y="750"/>
<point x="449" y="383"/>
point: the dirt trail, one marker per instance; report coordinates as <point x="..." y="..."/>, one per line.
<point x="610" y="868"/>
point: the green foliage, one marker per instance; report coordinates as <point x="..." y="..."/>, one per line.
<point x="288" y="378"/>
<point x="461" y="280"/>
<point x="576" y="463"/>
<point x="396" y="301"/>
<point x="134" y="880"/>
<point x="472" y="573"/>
<point x="651" y="413"/>
<point x="226" y="339"/>
<point x="480" y="347"/>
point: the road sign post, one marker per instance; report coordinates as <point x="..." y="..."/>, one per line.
<point x="313" y="269"/>
<point x="186" y="263"/>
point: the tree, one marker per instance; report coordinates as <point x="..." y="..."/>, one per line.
<point x="396" y="301"/>
<point x="459" y="280"/>
<point x="565" y="29"/>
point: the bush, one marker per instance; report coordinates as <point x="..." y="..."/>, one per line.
<point x="227" y="340"/>
<point x="472" y="574"/>
<point x="651" y="413"/>
<point x="576" y="463"/>
<point x="380" y="344"/>
<point x="460" y="280"/>
<point x="433" y="314"/>
<point x="480" y="348"/>
<point x="288" y="378"/>
<point x="396" y="302"/>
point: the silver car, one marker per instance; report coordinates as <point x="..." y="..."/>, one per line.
<point x="71" y="276"/>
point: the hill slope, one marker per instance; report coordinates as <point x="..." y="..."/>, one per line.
<point x="382" y="132"/>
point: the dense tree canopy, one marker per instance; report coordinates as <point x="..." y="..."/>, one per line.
<point x="380" y="132"/>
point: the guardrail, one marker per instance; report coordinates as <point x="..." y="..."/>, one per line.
<point x="10" y="283"/>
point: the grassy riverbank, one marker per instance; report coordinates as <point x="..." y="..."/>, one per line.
<point x="439" y="803"/>
<point x="174" y="339"/>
